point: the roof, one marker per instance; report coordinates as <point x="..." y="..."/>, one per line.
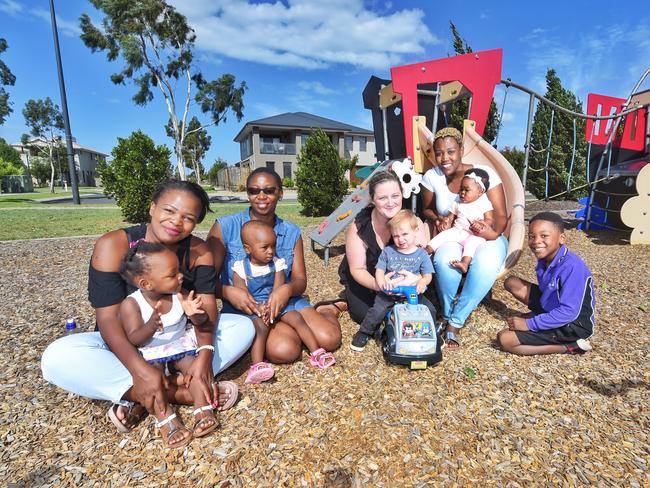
<point x="41" y="142"/>
<point x="303" y="120"/>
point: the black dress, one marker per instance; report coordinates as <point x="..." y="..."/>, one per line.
<point x="360" y="298"/>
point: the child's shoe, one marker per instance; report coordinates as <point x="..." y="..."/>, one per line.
<point x="322" y="359"/>
<point x="359" y="341"/>
<point x="259" y="372"/>
<point x="580" y="346"/>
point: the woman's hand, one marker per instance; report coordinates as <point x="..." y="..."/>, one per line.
<point x="149" y="385"/>
<point x="242" y="300"/>
<point x="408" y="278"/>
<point x="443" y="223"/>
<point x="278" y="299"/>
<point x="200" y="371"/>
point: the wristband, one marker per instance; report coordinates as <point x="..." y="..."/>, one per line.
<point x="207" y="346"/>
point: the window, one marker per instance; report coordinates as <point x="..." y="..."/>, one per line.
<point x="348" y="143"/>
<point x="363" y="140"/>
<point x="270" y="165"/>
<point x="286" y="169"/>
<point x="303" y="138"/>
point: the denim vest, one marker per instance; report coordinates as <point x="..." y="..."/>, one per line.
<point x="259" y="286"/>
<point x="286" y="232"/>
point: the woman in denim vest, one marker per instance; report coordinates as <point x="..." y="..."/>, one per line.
<point x="264" y="188"/>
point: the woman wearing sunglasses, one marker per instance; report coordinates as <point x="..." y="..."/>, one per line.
<point x="264" y="188"/>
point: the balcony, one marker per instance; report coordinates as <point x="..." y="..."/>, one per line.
<point x="277" y="148"/>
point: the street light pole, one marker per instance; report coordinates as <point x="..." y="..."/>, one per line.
<point x="64" y="105"/>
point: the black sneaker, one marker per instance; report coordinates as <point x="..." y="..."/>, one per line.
<point x="359" y="341"/>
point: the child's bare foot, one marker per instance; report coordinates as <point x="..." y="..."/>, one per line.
<point x="205" y="421"/>
<point x="173" y="432"/>
<point x="460" y="266"/>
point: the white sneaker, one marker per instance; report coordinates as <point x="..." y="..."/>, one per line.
<point x="584" y="344"/>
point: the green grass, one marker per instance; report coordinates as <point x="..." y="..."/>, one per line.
<point x="30" y="222"/>
<point x="27" y="200"/>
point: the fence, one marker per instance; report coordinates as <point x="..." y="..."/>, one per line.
<point x="232" y="178"/>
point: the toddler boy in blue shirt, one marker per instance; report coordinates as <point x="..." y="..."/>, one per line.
<point x="562" y="304"/>
<point x="401" y="263"/>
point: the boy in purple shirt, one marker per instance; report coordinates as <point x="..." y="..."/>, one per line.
<point x="562" y="305"/>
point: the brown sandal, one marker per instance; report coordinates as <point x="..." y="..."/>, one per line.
<point x="173" y="425"/>
<point x="339" y="304"/>
<point x="202" y="415"/>
<point x="133" y="415"/>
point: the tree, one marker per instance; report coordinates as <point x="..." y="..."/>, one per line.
<point x="561" y="147"/>
<point x="6" y="79"/>
<point x="460" y="108"/>
<point x="217" y="166"/>
<point x="320" y="176"/>
<point x="40" y="169"/>
<point x="515" y="157"/>
<point x="11" y="157"/>
<point x="157" y="44"/>
<point x="137" y="167"/>
<point x="10" y="162"/>
<point x="197" y="143"/>
<point x="45" y="122"/>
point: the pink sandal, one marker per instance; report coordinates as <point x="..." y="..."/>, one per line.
<point x="259" y="372"/>
<point x="322" y="359"/>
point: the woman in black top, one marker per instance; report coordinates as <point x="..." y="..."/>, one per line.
<point x="104" y="365"/>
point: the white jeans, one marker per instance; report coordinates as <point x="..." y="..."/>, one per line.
<point x="83" y="364"/>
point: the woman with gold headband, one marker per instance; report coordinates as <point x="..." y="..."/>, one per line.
<point x="440" y="188"/>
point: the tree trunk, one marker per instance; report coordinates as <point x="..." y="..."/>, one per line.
<point x="197" y="170"/>
<point x="179" y="163"/>
<point x="51" y="172"/>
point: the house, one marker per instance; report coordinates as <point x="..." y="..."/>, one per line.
<point x="276" y="141"/>
<point x="85" y="158"/>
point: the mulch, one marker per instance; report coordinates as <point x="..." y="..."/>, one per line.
<point x="479" y="417"/>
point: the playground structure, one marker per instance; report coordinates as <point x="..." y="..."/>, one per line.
<point x="410" y="108"/>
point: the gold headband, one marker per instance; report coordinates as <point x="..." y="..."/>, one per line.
<point x="449" y="132"/>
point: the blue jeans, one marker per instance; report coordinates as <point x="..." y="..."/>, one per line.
<point x="83" y="364"/>
<point x="483" y="270"/>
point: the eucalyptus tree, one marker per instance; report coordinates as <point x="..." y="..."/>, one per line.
<point x="45" y="122"/>
<point x="6" y="79"/>
<point x="156" y="45"/>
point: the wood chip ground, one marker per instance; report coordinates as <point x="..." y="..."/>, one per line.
<point x="481" y="417"/>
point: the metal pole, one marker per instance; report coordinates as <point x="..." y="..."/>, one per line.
<point x="529" y="129"/>
<point x="64" y="105"/>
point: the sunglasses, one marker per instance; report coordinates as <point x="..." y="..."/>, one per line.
<point x="256" y="191"/>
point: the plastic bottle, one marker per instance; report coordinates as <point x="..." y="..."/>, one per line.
<point x="71" y="327"/>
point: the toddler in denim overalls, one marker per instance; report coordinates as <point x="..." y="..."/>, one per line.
<point x="261" y="272"/>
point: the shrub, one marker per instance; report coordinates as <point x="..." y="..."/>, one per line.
<point x="287" y="182"/>
<point x="320" y="177"/>
<point x="138" y="165"/>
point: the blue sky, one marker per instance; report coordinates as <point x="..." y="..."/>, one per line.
<point x="317" y="55"/>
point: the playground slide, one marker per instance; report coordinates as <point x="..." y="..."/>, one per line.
<point x="345" y="213"/>
<point x="479" y="152"/>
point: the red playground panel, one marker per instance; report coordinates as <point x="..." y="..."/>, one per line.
<point x="633" y="136"/>
<point x="479" y="72"/>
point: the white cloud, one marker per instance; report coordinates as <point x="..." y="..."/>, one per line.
<point x="266" y="110"/>
<point x="507" y="116"/>
<point x="10" y="7"/>
<point x="306" y="33"/>
<point x="66" y="27"/>
<point x="315" y="87"/>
